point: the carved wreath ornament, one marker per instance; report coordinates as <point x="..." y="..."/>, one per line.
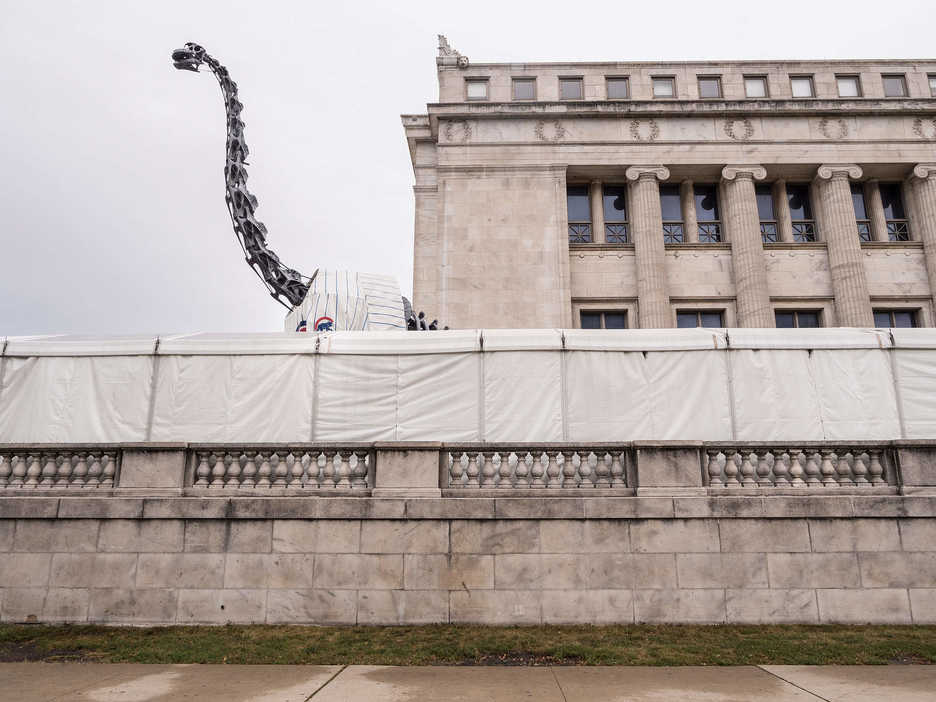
<point x="929" y="132"/>
<point x="651" y="134"/>
<point x="833" y="129"/>
<point x="739" y="129"/>
<point x="458" y="130"/>
<point x="558" y="131"/>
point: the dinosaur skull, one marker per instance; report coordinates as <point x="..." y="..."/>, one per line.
<point x="189" y="57"/>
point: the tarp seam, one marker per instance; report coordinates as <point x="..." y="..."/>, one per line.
<point x="895" y="379"/>
<point x="3" y="360"/>
<point x="313" y="419"/>
<point x="482" y="408"/>
<point x="563" y="385"/>
<point x="154" y="376"/>
<point x="731" y="394"/>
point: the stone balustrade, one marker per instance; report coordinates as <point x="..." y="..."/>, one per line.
<point x="301" y="468"/>
<point x="536" y="467"/>
<point x="790" y="466"/>
<point x="37" y="469"/>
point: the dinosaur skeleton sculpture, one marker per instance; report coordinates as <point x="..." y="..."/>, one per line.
<point x="286" y="286"/>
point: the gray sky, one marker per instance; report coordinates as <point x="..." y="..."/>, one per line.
<point x="111" y="161"/>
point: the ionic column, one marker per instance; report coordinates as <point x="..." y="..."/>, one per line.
<point x="747" y="249"/>
<point x="875" y="209"/>
<point x="687" y="204"/>
<point x="923" y="182"/>
<point x="647" y="227"/>
<point x="597" y="211"/>
<point x="840" y="231"/>
<point x="782" y="211"/>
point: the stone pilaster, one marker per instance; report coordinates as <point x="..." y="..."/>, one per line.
<point x="875" y="208"/>
<point x="782" y="211"/>
<point x="923" y="182"/>
<point x="597" y="211"/>
<point x="747" y="250"/>
<point x="647" y="226"/>
<point x="687" y="204"/>
<point x="840" y="231"/>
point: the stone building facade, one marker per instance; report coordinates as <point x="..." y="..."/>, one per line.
<point x="751" y="194"/>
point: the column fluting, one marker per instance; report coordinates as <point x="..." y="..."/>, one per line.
<point x="923" y="182"/>
<point x="647" y="227"/>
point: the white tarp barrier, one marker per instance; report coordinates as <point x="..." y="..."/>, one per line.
<point x="473" y="385"/>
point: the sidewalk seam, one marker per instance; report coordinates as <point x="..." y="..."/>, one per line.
<point x="325" y="684"/>
<point x="552" y="670"/>
<point x="798" y="687"/>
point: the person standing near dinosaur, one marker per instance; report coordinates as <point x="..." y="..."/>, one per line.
<point x="328" y="300"/>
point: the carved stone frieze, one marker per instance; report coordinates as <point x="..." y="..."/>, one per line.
<point x="739" y="129"/>
<point x="556" y="132"/>
<point x="458" y="131"/>
<point x="644" y="130"/>
<point x="925" y="129"/>
<point x="833" y="128"/>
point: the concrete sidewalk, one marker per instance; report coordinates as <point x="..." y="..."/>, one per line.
<point x="89" y="682"/>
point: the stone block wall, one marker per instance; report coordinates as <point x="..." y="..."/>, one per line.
<point x="847" y="559"/>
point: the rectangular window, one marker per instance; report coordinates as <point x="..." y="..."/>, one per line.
<point x="755" y="86"/>
<point x="861" y="212"/>
<point x="711" y="319"/>
<point x="709" y="87"/>
<point x="476" y="88"/>
<point x="895" y="319"/>
<point x="614" y="203"/>
<point x="616" y="319"/>
<point x="524" y="88"/>
<point x="618" y="88"/>
<point x="671" y="207"/>
<point x="765" y="211"/>
<point x="898" y="228"/>
<point x="664" y="87"/>
<point x="804" y="226"/>
<point x="802" y="86"/>
<point x="707" y="215"/>
<point x="803" y="319"/>
<point x="580" y="231"/>
<point x="571" y="89"/>
<point x="895" y="86"/>
<point x="848" y="86"/>
<point x="932" y="85"/>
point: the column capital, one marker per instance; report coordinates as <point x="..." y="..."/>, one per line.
<point x="655" y="171"/>
<point x="924" y="171"/>
<point x="831" y="171"/>
<point x="753" y="172"/>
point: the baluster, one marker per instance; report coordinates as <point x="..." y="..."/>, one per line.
<point x="763" y="469"/>
<point x="359" y="471"/>
<point x="553" y="469"/>
<point x="587" y="469"/>
<point x="306" y="476"/>
<point x="747" y="469"/>
<point x="781" y="469"/>
<point x="524" y="467"/>
<point x="506" y="469"/>
<point x="618" y="478"/>
<point x="343" y="469"/>
<point x="843" y="469"/>
<point x="328" y="469"/>
<point x="538" y="471"/>
<point x="713" y="468"/>
<point x="279" y="471"/>
<point x="217" y="470"/>
<point x="731" y="469"/>
<point x="18" y="468"/>
<point x="876" y="468"/>
<point x="79" y="470"/>
<point x="248" y="460"/>
<point x="488" y="469"/>
<point x="202" y="471"/>
<point x="108" y="469"/>
<point x="232" y="470"/>
<point x="457" y="469"/>
<point x="603" y="470"/>
<point x="812" y="470"/>
<point x="571" y="463"/>
<point x="264" y="470"/>
<point x="860" y="469"/>
<point x="94" y="471"/>
<point x="49" y="468"/>
<point x="5" y="471"/>
<point x="472" y="470"/>
<point x="797" y="458"/>
<point x="293" y="470"/>
<point x="33" y="471"/>
<point x="828" y="469"/>
<point x="63" y="470"/>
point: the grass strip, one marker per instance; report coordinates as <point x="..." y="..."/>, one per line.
<point x="473" y="645"/>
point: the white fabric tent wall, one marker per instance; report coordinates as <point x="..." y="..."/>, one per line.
<point x="490" y="385"/>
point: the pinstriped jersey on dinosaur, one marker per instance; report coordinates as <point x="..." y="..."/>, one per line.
<point x="346" y="301"/>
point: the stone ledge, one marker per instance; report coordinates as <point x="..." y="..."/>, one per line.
<point x="471" y="507"/>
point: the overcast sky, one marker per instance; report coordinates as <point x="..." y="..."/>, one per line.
<point x="111" y="190"/>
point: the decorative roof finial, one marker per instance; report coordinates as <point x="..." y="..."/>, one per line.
<point x="449" y="56"/>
